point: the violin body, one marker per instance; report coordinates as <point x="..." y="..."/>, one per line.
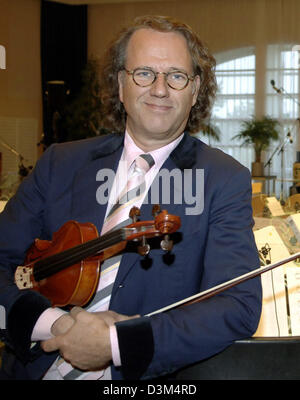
<point x="72" y="285"/>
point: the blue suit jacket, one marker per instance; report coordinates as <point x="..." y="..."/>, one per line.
<point x="211" y="247"/>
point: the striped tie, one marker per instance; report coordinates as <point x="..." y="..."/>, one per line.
<point x="133" y="191"/>
<point x="116" y="218"/>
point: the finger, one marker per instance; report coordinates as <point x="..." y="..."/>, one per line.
<point x="75" y="311"/>
<point x="135" y="316"/>
<point x="110" y="317"/>
<point x="50" y="345"/>
<point x="121" y="317"/>
<point x="62" y="324"/>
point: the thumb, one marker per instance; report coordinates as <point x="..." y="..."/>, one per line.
<point x="50" y="344"/>
<point x="75" y="311"/>
<point x="127" y="317"/>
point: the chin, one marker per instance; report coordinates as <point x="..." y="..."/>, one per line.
<point x="158" y="132"/>
<point x="157" y="127"/>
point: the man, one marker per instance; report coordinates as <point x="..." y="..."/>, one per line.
<point x="158" y="82"/>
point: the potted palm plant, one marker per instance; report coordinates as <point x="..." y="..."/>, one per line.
<point x="259" y="132"/>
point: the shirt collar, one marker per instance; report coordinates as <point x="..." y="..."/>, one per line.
<point x="132" y="151"/>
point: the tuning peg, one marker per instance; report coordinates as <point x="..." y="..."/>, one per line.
<point x="134" y="213"/>
<point x="155" y="210"/>
<point x="166" y="244"/>
<point x="144" y="248"/>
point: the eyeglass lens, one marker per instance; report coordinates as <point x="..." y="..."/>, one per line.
<point x="175" y="79"/>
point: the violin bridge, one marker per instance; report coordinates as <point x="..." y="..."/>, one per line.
<point x="23" y="277"/>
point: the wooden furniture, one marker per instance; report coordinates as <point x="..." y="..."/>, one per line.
<point x="293" y="203"/>
<point x="264" y="180"/>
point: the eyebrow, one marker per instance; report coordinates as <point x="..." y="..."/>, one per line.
<point x="170" y="69"/>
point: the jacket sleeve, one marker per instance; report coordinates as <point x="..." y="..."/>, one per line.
<point x="20" y="223"/>
<point x="192" y="333"/>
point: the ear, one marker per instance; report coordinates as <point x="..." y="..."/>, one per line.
<point x="196" y="87"/>
<point x="120" y="81"/>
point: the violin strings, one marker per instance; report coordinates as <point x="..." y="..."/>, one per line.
<point x="57" y="262"/>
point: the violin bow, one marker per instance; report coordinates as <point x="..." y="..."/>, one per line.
<point x="226" y="285"/>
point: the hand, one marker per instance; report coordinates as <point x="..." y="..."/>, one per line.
<point x="86" y="345"/>
<point x="62" y="324"/>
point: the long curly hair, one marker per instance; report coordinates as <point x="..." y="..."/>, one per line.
<point x="114" y="114"/>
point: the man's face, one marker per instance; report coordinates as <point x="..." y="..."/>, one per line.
<point x="157" y="114"/>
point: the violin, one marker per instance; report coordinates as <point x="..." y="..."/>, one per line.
<point x="66" y="269"/>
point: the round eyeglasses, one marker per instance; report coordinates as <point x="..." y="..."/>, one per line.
<point x="177" y="80"/>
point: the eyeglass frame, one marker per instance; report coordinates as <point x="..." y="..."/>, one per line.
<point x="189" y="78"/>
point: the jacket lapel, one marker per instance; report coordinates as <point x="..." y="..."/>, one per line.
<point x="85" y="204"/>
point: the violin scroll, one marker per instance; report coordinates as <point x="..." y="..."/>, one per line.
<point x="163" y="224"/>
<point x="167" y="223"/>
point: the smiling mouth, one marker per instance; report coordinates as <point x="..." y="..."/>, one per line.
<point x="159" y="107"/>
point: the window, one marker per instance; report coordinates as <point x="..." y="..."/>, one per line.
<point x="282" y="72"/>
<point x="236" y="101"/>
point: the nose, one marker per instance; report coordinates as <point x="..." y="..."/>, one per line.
<point x="159" y="87"/>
